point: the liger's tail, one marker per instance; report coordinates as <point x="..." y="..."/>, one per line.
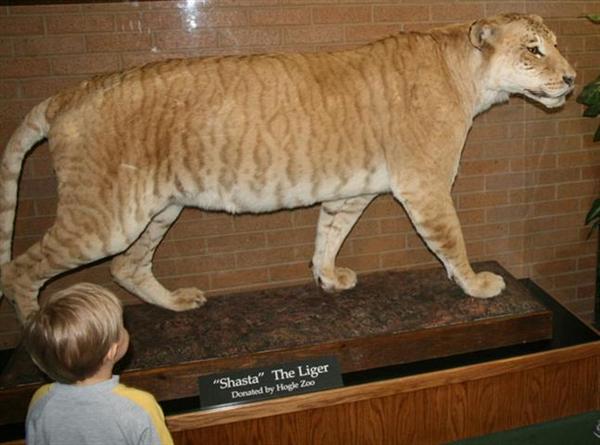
<point x="33" y="129"/>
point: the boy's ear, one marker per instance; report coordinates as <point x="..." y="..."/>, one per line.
<point x="112" y="353"/>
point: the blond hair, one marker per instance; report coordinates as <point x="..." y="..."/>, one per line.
<point x="72" y="332"/>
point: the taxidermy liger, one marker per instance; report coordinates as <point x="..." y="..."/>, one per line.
<point x="266" y="132"/>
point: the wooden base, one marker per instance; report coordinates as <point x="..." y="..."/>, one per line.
<point x="432" y="408"/>
<point x="505" y="389"/>
<point x="390" y="318"/>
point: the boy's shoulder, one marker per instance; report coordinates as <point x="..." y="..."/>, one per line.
<point x="141" y="399"/>
<point x="138" y="396"/>
<point x="40" y="393"/>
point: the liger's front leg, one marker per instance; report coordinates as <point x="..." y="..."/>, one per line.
<point x="434" y="216"/>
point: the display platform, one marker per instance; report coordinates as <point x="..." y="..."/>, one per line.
<point x="390" y="318"/>
<point x="434" y="401"/>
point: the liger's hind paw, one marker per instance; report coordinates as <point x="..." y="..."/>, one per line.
<point x="187" y="298"/>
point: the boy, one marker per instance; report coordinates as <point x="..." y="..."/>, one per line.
<point x="76" y="338"/>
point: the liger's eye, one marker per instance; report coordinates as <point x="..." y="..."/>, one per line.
<point x="534" y="50"/>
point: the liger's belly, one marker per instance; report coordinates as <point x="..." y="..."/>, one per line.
<point x="248" y="194"/>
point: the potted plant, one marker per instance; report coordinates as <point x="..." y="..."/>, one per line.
<point x="590" y="98"/>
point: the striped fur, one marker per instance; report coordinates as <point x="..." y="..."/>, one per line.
<point x="266" y="132"/>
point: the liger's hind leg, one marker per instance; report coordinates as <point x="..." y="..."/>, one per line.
<point x="335" y="222"/>
<point x="133" y="268"/>
<point x="64" y="246"/>
<point x="21" y="281"/>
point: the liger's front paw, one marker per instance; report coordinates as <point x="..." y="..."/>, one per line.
<point x="484" y="285"/>
<point x="342" y="279"/>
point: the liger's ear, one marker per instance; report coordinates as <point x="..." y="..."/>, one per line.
<point x="536" y="18"/>
<point x="481" y="33"/>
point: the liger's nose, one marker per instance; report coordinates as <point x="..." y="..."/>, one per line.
<point x="569" y="80"/>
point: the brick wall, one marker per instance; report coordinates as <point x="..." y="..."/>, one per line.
<point x="524" y="186"/>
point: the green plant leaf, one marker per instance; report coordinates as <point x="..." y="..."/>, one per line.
<point x="594" y="17"/>
<point x="594" y="213"/>
<point x="592" y="229"/>
<point x="590" y="95"/>
<point x="597" y="135"/>
<point x="592" y="110"/>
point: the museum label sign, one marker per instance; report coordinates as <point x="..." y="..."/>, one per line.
<point x="280" y="380"/>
